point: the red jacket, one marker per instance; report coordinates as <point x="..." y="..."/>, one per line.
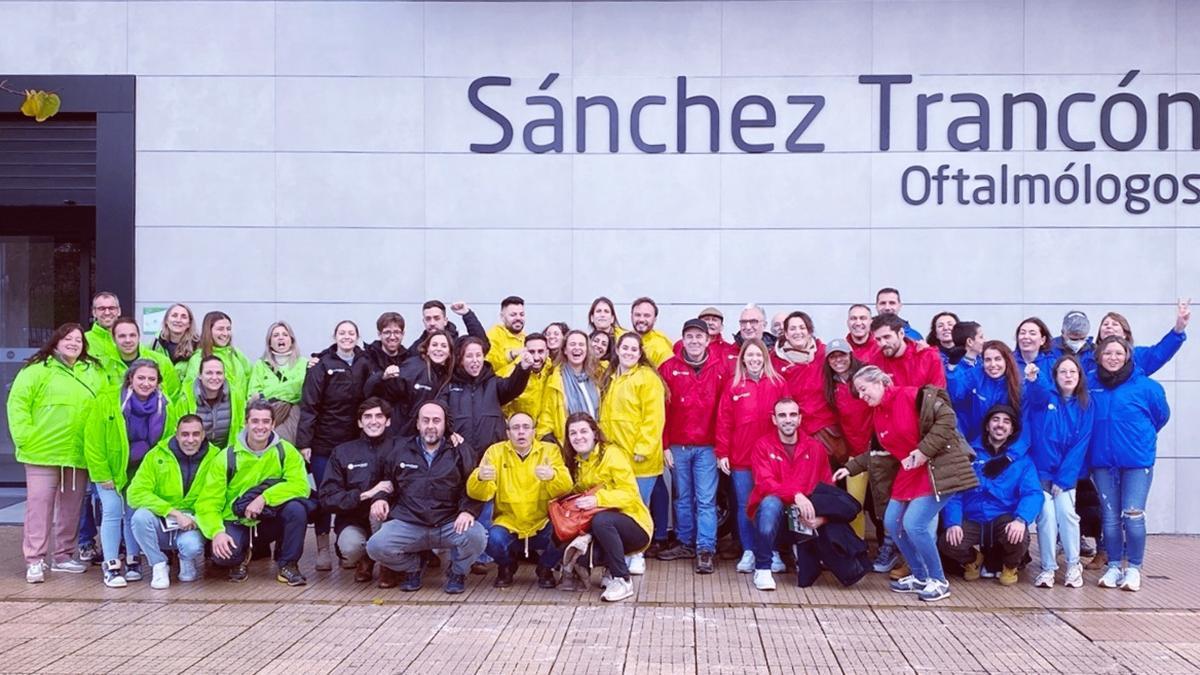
<point x="725" y="352"/>
<point x="806" y="384"/>
<point x="915" y="368"/>
<point x="777" y="473"/>
<point x="866" y="352"/>
<point x="744" y="415"/>
<point x="854" y="416"/>
<point x="897" y="423"/>
<point x="692" y="400"/>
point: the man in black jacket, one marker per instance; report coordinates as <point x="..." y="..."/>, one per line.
<point x="428" y="507"/>
<point x="353" y="479"/>
<point x="433" y="317"/>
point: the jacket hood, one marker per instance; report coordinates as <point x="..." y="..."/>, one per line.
<point x="462" y="377"/>
<point x="1012" y="414"/>
<point x="241" y="441"/>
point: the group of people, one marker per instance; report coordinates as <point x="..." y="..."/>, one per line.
<point x="452" y="450"/>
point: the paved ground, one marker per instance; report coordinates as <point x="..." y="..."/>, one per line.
<point x="678" y="623"/>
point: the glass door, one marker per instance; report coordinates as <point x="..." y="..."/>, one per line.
<point x="47" y="273"/>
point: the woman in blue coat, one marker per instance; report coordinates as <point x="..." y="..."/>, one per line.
<point x="975" y="390"/>
<point x="1130" y="411"/>
<point x="1060" y="417"/>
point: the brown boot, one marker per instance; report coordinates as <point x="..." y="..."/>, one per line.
<point x="324" y="560"/>
<point x="364" y="570"/>
<point x="388" y="578"/>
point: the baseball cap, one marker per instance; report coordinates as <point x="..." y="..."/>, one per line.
<point x="837" y="345"/>
<point x="695" y="323"/>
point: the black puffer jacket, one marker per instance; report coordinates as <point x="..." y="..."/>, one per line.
<point x="355" y="467"/>
<point x="474" y="403"/>
<point x="329" y="401"/>
<point x="430" y="494"/>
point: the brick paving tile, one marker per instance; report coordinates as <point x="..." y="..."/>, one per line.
<point x="8" y="642"/>
<point x="14" y="610"/>
<point x="662" y="639"/>
<point x="1141" y="657"/>
<point x="795" y="637"/>
<point x="362" y="616"/>
<point x="239" y="615"/>
<point x="157" y="665"/>
<point x="464" y="641"/>
<point x="597" y="640"/>
<point x="531" y="639"/>
<point x="1190" y="651"/>
<point x="195" y="641"/>
<point x="304" y="666"/>
<point x="32" y="655"/>
<point x="76" y="664"/>
<point x="125" y="644"/>
<point x="728" y="637"/>
<point x="176" y="614"/>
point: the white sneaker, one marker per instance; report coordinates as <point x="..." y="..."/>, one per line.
<point x="35" y="573"/>
<point x="777" y="565"/>
<point x="1111" y="578"/>
<point x="618" y="589"/>
<point x="637" y="564"/>
<point x="606" y="579"/>
<point x="763" y="580"/>
<point x="1074" y="577"/>
<point x="746" y="564"/>
<point x="112" y="575"/>
<point x="187" y="570"/>
<point x="1132" y="581"/>
<point x="160" y="576"/>
<point x="1045" y="579"/>
<point x="70" y="566"/>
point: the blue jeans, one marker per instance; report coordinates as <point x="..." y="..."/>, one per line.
<point x="1123" y="494"/>
<point x="114" y="521"/>
<point x="913" y="525"/>
<point x="767" y="520"/>
<point x="648" y="488"/>
<point x="695" y="476"/>
<point x="150" y="536"/>
<point x="743" y="485"/>
<point x="322" y="519"/>
<point x="503" y="545"/>
<point x="87" y="518"/>
<point x="286" y="530"/>
<point x="485" y="519"/>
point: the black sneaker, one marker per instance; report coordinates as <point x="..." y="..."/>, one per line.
<point x="89" y="554"/>
<point x="411" y="582"/>
<point x="290" y="574"/>
<point x="455" y="583"/>
<point x="504" y="575"/>
<point x="704" y="563"/>
<point x="238" y="574"/>
<point x="677" y="552"/>
<point x="545" y="577"/>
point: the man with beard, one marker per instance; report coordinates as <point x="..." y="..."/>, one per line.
<point x="642" y="314"/>
<point x="433" y="318"/>
<point x="507" y="337"/>
<point x="908" y="363"/>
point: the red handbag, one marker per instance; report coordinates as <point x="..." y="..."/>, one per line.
<point x="568" y="519"/>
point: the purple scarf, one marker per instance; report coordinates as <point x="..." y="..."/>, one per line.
<point x="144" y="423"/>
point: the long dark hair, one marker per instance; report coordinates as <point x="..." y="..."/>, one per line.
<point x="570" y="457"/>
<point x="931" y="339"/>
<point x="1081" y="387"/>
<point x="429" y="365"/>
<point x="460" y="350"/>
<point x="611" y="307"/>
<point x="1012" y="379"/>
<point x="1047" y="338"/>
<point x="610" y="373"/>
<point x="206" y="336"/>
<point x="830" y="379"/>
<point x="46" y="351"/>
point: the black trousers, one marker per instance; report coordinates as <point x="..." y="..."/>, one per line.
<point x="286" y="529"/>
<point x="615" y="535"/>
<point x="835" y="547"/>
<point x="991" y="539"/>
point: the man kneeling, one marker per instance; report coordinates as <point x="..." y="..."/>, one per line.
<point x="429" y="507"/>
<point x="791" y="472"/>
<point x="164" y="492"/>
<point x="995" y="515"/>
<point x="257" y="482"/>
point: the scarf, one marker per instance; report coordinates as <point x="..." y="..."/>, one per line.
<point x="144" y="423"/>
<point x="1111" y="379"/>
<point x="581" y="392"/>
<point x="696" y="365"/>
<point x="804" y="355"/>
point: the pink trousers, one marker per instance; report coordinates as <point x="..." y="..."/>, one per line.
<point x="55" y="496"/>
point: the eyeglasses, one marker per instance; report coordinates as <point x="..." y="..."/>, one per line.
<point x="749" y="322"/>
<point x="392" y="333"/>
<point x="106" y="308"/>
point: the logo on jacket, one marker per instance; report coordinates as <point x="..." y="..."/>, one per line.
<point x="422" y="386"/>
<point x="406" y="465"/>
<point x="737" y="396"/>
<point x="883" y="433"/>
<point x="352" y="466"/>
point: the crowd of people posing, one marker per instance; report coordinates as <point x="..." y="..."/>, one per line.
<point x="454" y="451"/>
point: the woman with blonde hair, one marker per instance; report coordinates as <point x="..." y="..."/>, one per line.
<point x="743" y="416"/>
<point x="278" y="377"/>
<point x="177" y="339"/>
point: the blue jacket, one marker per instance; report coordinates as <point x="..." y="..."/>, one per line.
<point x="973" y="393"/>
<point x="1146" y="360"/>
<point x="1128" y="419"/>
<point x="1044" y="361"/>
<point x="1059" y="430"/>
<point x="1016" y="491"/>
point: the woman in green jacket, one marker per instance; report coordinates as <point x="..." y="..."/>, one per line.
<point x="124" y="424"/>
<point x="177" y="340"/>
<point x="220" y="406"/>
<point x="128" y="338"/>
<point x="278" y="377"/>
<point x="216" y="339"/>
<point x="47" y="406"/>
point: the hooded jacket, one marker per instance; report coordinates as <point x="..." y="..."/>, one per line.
<point x="474" y="329"/>
<point x="429" y="494"/>
<point x="806" y="384"/>
<point x="1128" y="419"/>
<point x="1060" y="430"/>
<point x="974" y="393"/>
<point x="612" y="474"/>
<point x="106" y="442"/>
<point x="694" y="394"/>
<point x="632" y="416"/>
<point x="475" y="403"/>
<point x="237" y="406"/>
<point x="744" y="416"/>
<point x="101" y="343"/>
<point x="47" y="407"/>
<point x="354" y="467"/>
<point x="237" y="368"/>
<point x="333" y="390"/>
<point x="531" y="399"/>
<point x="552" y="418"/>
<point x="114" y="369"/>
<point x="522" y="499"/>
<point x="503" y="342"/>
<point x="784" y="475"/>
<point x="214" y="504"/>
<point x="276" y="384"/>
<point x="1015" y="491"/>
<point x="168" y="479"/>
<point x="916" y="367"/>
<point x="1147" y="360"/>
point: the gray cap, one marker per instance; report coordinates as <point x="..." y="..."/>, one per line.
<point x="1076" y="324"/>
<point x="698" y="324"/>
<point x="837" y="345"/>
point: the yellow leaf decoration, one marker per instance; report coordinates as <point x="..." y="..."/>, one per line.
<point x="40" y="105"/>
